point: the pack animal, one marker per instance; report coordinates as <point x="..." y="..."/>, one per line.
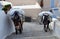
<point x="17" y="22"/>
<point x="46" y="22"/>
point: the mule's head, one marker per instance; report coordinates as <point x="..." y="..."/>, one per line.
<point x="16" y="16"/>
<point x="46" y="16"/>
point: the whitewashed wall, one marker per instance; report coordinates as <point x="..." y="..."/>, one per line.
<point x="6" y="26"/>
<point x="57" y="28"/>
<point x="55" y="25"/>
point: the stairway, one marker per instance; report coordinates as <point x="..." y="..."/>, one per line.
<point x="32" y="31"/>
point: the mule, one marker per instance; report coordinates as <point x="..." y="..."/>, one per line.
<point x="17" y="22"/>
<point x="46" y="22"/>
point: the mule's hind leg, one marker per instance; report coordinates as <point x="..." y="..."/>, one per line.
<point x="45" y="29"/>
<point x="48" y="29"/>
<point x="20" y="28"/>
<point x="16" y="30"/>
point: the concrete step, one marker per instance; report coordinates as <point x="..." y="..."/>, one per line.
<point x="32" y="31"/>
<point x="35" y="37"/>
<point x="38" y="38"/>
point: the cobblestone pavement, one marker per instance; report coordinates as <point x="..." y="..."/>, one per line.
<point x="32" y="31"/>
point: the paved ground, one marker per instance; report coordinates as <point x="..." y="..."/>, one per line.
<point x="32" y="31"/>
